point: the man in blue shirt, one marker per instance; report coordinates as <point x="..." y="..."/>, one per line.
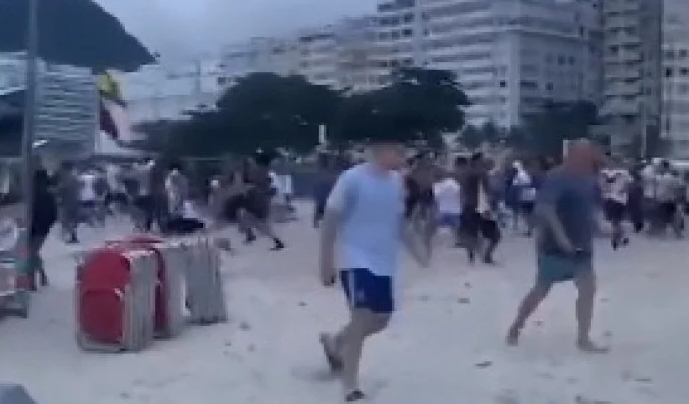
<point x="565" y="212"/>
<point x="361" y="230"/>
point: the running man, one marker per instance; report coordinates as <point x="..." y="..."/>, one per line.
<point x="364" y="220"/>
<point x="565" y="214"/>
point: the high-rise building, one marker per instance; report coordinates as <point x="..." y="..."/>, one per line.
<point x="337" y="55"/>
<point x="675" y="76"/>
<point x="511" y="56"/>
<point x="632" y="72"/>
<point x="171" y="91"/>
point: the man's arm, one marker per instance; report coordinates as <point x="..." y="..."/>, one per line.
<point x="335" y="207"/>
<point x="412" y="243"/>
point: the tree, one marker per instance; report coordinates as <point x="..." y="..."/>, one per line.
<point x="491" y="133"/>
<point x="558" y="121"/>
<point x="471" y="137"/>
<point x="263" y="110"/>
<point x="420" y="104"/>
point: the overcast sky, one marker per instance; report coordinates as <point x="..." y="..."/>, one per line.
<point x="183" y="28"/>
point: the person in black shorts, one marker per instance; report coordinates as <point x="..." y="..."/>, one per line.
<point x="256" y="200"/>
<point x="477" y="222"/>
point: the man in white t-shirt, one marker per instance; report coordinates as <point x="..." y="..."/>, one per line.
<point x="87" y="195"/>
<point x="615" y="188"/>
<point x="447" y="194"/>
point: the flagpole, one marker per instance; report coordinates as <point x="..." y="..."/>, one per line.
<point x="30" y="108"/>
<point x="29" y="132"/>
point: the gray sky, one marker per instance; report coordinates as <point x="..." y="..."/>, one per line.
<point x="183" y="28"/>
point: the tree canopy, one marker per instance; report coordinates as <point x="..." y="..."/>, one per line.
<point x="545" y="132"/>
<point x="265" y="110"/>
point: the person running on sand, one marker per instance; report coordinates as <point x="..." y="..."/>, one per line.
<point x="364" y="220"/>
<point x="565" y="215"/>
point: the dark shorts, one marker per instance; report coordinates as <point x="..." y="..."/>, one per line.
<point x="474" y="225"/>
<point x="319" y="209"/>
<point x="116" y="197"/>
<point x="450" y="220"/>
<point x="667" y="212"/>
<point x="257" y="204"/>
<point x="364" y="290"/>
<point x="614" y="210"/>
<point x="527" y="207"/>
<point x="556" y="268"/>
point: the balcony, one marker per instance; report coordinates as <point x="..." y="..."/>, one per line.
<point x="621" y="39"/>
<point x="623" y="73"/>
<point x="617" y="107"/>
<point x="622" y="89"/>
<point x="621" y="21"/>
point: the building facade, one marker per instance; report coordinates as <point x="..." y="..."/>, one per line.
<point x="171" y="92"/>
<point x="336" y="55"/>
<point x="675" y="106"/>
<point x="632" y="66"/>
<point x="511" y="56"/>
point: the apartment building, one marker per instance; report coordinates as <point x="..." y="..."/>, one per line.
<point x="675" y="77"/>
<point x="632" y="72"/>
<point x="335" y="55"/>
<point x="171" y="91"/>
<point x="511" y="56"/>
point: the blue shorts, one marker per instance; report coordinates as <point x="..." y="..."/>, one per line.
<point x="554" y="268"/>
<point x="364" y="290"/>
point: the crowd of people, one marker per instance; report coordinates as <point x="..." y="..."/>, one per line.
<point x="376" y="206"/>
<point x="157" y="197"/>
<point x="365" y="209"/>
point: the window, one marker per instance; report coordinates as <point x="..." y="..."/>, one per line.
<point x="408" y="17"/>
<point x="549" y="86"/>
<point x="528" y="85"/>
<point x="407" y="32"/>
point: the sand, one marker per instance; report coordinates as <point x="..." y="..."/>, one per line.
<point x="445" y="345"/>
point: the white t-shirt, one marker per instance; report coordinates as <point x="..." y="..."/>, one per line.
<point x="524" y="183"/>
<point x="666" y="187"/>
<point x="616" y="188"/>
<point x="649" y="177"/>
<point x="88" y="187"/>
<point x="447" y="196"/>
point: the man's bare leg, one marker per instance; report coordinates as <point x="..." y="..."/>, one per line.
<point x="347" y="346"/>
<point x="527" y="307"/>
<point x="585" y="281"/>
